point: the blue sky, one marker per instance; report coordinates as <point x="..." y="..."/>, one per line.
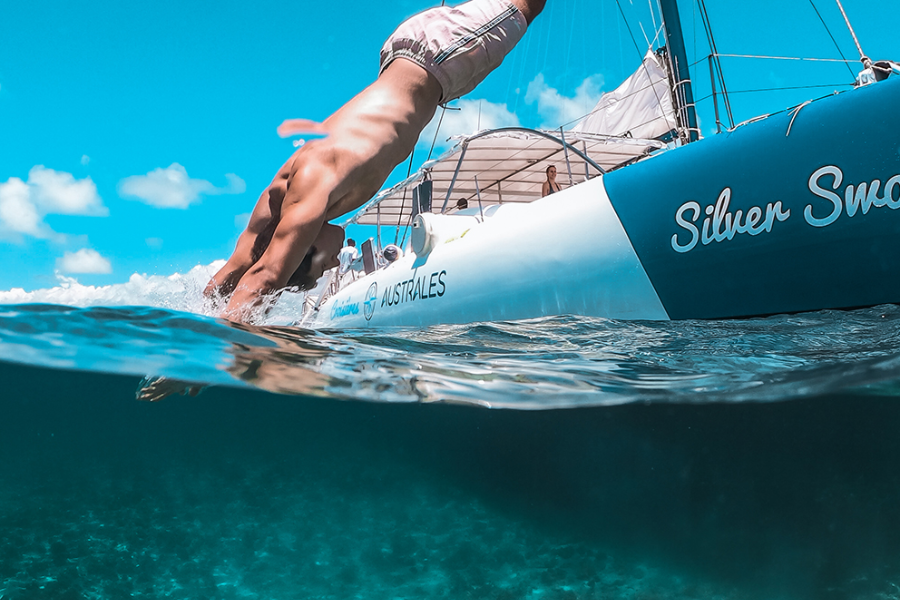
<point x="136" y="137"/>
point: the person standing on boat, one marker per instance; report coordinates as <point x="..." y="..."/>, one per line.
<point x="550" y="186"/>
<point x="347" y="255"/>
<point x="431" y="59"/>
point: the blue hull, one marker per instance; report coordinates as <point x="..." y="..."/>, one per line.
<point x="795" y="212"/>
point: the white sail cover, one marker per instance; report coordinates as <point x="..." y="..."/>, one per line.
<point x="641" y="107"/>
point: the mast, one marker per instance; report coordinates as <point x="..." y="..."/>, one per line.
<point x="684" y="95"/>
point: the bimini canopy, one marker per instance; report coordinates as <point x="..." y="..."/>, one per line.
<point x="509" y="165"/>
<point x="502" y="166"/>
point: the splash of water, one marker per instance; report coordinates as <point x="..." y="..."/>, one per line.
<point x="178" y="291"/>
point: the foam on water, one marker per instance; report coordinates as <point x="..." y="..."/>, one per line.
<point x="163" y="326"/>
<point x="179" y="291"/>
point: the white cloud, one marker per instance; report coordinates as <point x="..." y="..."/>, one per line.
<point x="172" y="188"/>
<point x="23" y="204"/>
<point x="18" y="212"/>
<point x="179" y="291"/>
<point x="85" y="159"/>
<point x="557" y="110"/>
<point x="84" y="261"/>
<point x="154" y="242"/>
<point x="60" y="193"/>
<point x="472" y="116"/>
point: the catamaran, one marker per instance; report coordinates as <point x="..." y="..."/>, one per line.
<point x="789" y="212"/>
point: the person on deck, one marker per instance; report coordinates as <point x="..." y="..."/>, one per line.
<point x="550" y="186"/>
<point x="431" y="59"/>
<point x="347" y="255"/>
<point x="346" y="258"/>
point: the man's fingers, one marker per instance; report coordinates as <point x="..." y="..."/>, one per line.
<point x="300" y="127"/>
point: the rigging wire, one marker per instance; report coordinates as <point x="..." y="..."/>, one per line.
<point x="704" y="15"/>
<point x="800" y="58"/>
<point x="403" y="201"/>
<point x="694" y="28"/>
<point x="852" y="74"/>
<point x="628" y="26"/>
<point x="409" y="171"/>
<point x="653" y="17"/>
<point x="639" y="53"/>
<point x="550" y="27"/>
<point x="599" y="107"/>
<point x="517" y="72"/>
<point x="583" y="45"/>
<point x="781" y="89"/>
<point x="569" y="45"/>
<point x="436" y="130"/>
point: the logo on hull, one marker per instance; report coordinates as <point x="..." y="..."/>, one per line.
<point x="369" y="303"/>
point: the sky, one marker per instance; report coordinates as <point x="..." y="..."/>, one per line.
<point x="136" y="137"/>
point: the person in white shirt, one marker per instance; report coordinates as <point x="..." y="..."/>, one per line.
<point x="347" y="255"/>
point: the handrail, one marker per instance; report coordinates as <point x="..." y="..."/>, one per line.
<point x="462" y="155"/>
<point x="566" y="146"/>
<point x="543" y="134"/>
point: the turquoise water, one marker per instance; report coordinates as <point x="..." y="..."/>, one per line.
<point x="561" y="458"/>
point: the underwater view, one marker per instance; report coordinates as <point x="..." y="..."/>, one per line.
<point x="151" y="449"/>
<point x="558" y="458"/>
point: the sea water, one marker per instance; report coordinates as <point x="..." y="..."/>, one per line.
<point x="557" y="458"/>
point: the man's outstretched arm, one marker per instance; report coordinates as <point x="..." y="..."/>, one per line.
<point x="377" y="129"/>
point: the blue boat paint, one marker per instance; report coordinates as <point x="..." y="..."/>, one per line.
<point x="798" y="252"/>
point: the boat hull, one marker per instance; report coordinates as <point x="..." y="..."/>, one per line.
<point x="564" y="254"/>
<point x="819" y="251"/>
<point x="794" y="212"/>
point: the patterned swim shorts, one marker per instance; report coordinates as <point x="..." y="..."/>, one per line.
<point x="459" y="45"/>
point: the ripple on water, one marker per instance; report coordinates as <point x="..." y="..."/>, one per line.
<point x="544" y="363"/>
